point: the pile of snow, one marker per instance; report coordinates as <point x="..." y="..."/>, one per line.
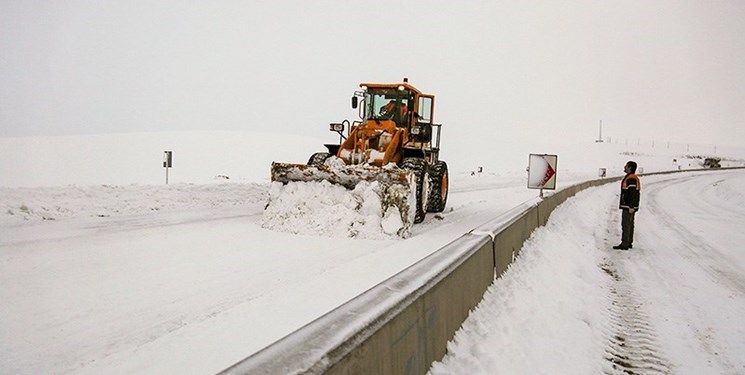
<point x="322" y="208"/>
<point x="321" y="205"/>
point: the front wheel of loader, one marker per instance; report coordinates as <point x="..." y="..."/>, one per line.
<point x="438" y="187"/>
<point x="421" y="179"/>
<point x="318" y="158"/>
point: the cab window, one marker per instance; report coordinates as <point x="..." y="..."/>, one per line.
<point x="425" y="109"/>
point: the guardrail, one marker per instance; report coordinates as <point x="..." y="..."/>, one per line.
<point x="403" y="324"/>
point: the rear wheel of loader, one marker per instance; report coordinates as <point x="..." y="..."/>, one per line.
<point x="421" y="178"/>
<point x="438" y="187"/>
<point x="318" y="158"/>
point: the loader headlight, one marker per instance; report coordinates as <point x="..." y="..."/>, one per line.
<point x="415" y="130"/>
<point x="336" y="127"/>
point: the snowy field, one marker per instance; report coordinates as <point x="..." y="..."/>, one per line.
<point x="109" y="270"/>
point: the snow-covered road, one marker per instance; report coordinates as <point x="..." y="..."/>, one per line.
<point x="673" y="304"/>
<point x="692" y="277"/>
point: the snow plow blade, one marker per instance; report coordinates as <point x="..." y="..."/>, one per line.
<point x="395" y="188"/>
<point x="347" y="176"/>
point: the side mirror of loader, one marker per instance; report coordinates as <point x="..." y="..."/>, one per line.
<point x="354" y="102"/>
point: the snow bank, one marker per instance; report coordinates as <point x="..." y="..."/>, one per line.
<point x="550" y="304"/>
<point x="63" y="202"/>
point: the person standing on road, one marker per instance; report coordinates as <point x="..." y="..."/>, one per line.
<point x="629" y="204"/>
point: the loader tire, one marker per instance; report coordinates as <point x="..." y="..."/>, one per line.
<point x="438" y="187"/>
<point x="318" y="158"/>
<point x="421" y="179"/>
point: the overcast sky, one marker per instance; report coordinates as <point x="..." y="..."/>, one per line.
<point x="501" y="71"/>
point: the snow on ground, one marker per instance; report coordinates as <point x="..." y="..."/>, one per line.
<point x="109" y="270"/>
<point x="58" y="203"/>
<point x="675" y="303"/>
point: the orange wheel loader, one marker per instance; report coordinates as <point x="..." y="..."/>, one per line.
<point x="395" y="142"/>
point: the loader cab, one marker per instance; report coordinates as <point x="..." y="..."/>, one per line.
<point x="388" y="104"/>
<point x="416" y="114"/>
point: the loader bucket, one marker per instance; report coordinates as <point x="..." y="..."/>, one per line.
<point x="347" y="176"/>
<point x="396" y="184"/>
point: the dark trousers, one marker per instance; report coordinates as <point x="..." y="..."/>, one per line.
<point x="627" y="227"/>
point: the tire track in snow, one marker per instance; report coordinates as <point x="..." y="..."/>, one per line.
<point x="632" y="345"/>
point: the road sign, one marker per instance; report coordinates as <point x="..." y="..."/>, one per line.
<point x="167" y="162"/>
<point x="542" y="171"/>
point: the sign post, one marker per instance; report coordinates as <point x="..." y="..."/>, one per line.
<point x="542" y="172"/>
<point x="167" y="162"/>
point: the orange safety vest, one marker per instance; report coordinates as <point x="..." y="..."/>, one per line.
<point x="625" y="182"/>
<point x="630" y="198"/>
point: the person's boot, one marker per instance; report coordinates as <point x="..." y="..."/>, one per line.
<point x="621" y="246"/>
